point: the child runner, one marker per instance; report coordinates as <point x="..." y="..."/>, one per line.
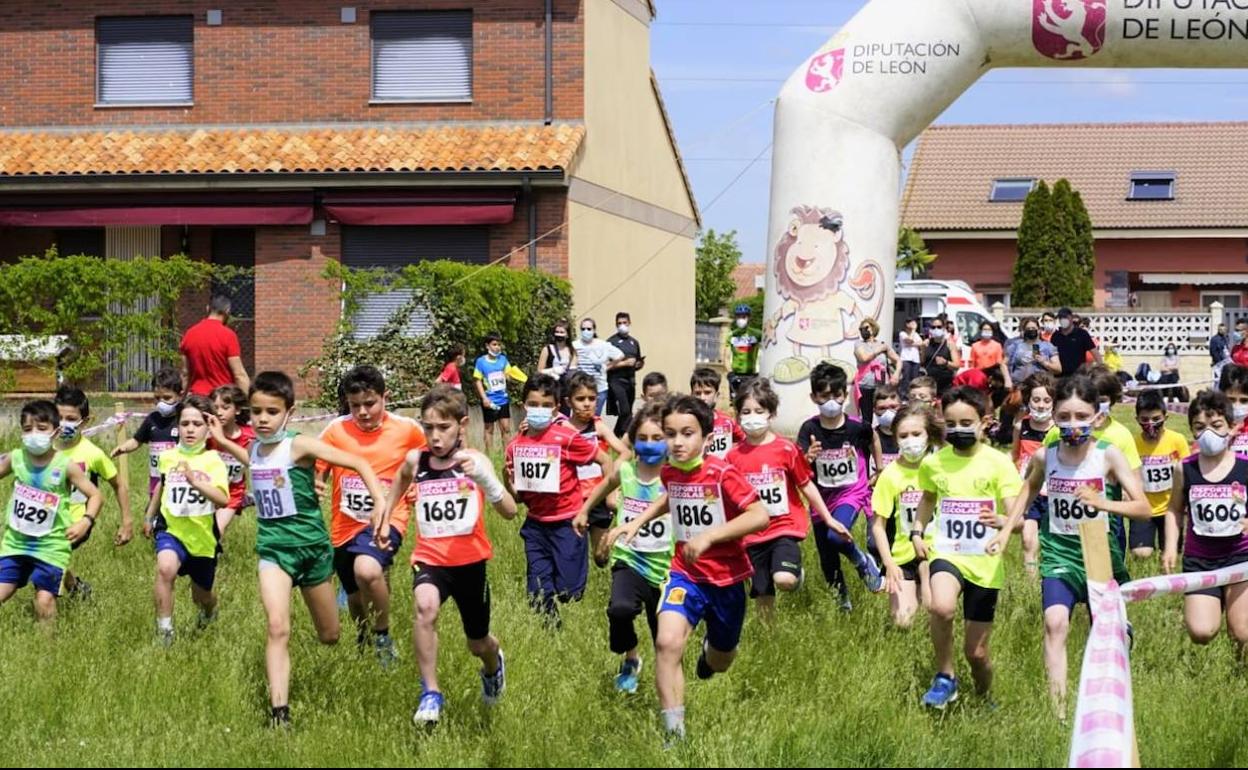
<point x="886" y="403"/>
<point x="490" y="373"/>
<point x="704" y="385"/>
<point x="291" y="539"/>
<point x="1213" y="503"/>
<point x="895" y="501"/>
<point x="837" y="448"/>
<point x="1234" y="383"/>
<point x="923" y="390"/>
<point x="75" y="412"/>
<point x="451" y="362"/>
<point x="38" y="535"/>
<point x="1037" y="394"/>
<point x="581" y="397"/>
<point x="159" y="429"/>
<point x="1077" y="473"/>
<point x="965" y="487"/>
<point x="452" y="484"/>
<point x="382" y="439"/>
<point x="230" y="402"/>
<point x="1161" y="450"/>
<point x="193" y="483"/>
<point x="776" y="469"/>
<point x="713" y="507"/>
<point x="638" y="569"/>
<point x="542" y="465"/>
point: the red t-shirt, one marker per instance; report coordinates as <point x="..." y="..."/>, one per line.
<point x="450" y="376"/>
<point x="712" y="494"/>
<point x="542" y="470"/>
<point x="776" y="471"/>
<point x="972" y="378"/>
<point x="208" y="346"/>
<point x="238" y="480"/>
<point x="724" y="435"/>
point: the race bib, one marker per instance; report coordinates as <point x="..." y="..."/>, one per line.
<point x="773" y="490"/>
<point x="910" y="500"/>
<point x="232" y="467"/>
<point x="1066" y="512"/>
<point x="1158" y="473"/>
<point x="887" y="460"/>
<point x="32" y="511"/>
<point x="354" y="499"/>
<point x="719" y="443"/>
<point x="275" y="496"/>
<point x="495" y="382"/>
<point x="1240" y="444"/>
<point x="154" y="451"/>
<point x="835" y="468"/>
<point x="182" y="499"/>
<point x="959" y="530"/>
<point x="695" y="509"/>
<point x="76" y="497"/>
<point x="591" y="471"/>
<point x="1024" y="464"/>
<point x="536" y="468"/>
<point x="447" y="507"/>
<point x="1217" y="509"/>
<point x="656" y="535"/>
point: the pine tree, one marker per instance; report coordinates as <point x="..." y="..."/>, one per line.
<point x="1085" y="250"/>
<point x="1028" y="287"/>
<point x="1065" y="275"/>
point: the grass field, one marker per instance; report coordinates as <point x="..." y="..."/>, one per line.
<point x="820" y="688"/>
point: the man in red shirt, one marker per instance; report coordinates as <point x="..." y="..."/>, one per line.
<point x="211" y="356"/>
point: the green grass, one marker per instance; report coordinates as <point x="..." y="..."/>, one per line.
<point x="817" y="689"/>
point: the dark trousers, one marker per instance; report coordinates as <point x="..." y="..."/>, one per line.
<point x="620" y="396"/>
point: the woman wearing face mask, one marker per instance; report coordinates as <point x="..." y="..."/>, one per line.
<point x="1078" y="472"/>
<point x="1028" y="354"/>
<point x="1211" y="507"/>
<point x="776" y="468"/>
<point x="558" y="357"/>
<point x="873" y="356"/>
<point x="911" y="344"/>
<point x="941" y="357"/>
<point x="1170" y="373"/>
<point x="594" y="357"/>
<point x="896" y="498"/>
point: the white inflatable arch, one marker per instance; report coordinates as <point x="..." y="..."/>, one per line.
<point x="843" y="117"/>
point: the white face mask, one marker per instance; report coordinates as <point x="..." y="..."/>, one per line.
<point x="831" y="409"/>
<point x="1211" y="443"/>
<point x="622" y="329"/>
<point x="985" y="335"/>
<point x="1050" y="327"/>
<point x="913" y="448"/>
<point x="1041" y="415"/>
<point x="37" y="443"/>
<point x="742" y="322"/>
<point x="1239" y="412"/>
<point x="885" y="419"/>
<point x="755" y="424"/>
<point x="1064" y="323"/>
<point x="587" y="335"/>
<point x="539" y="417"/>
<point x="938" y="334"/>
<point x="165" y="408"/>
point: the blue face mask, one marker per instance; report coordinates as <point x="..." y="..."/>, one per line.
<point x="539" y="417"/>
<point x="1075" y="433"/>
<point x="651" y="452"/>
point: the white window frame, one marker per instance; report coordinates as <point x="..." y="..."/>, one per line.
<point x="1221" y="295"/>
<point x="1008" y="182"/>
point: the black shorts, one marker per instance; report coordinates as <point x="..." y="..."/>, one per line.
<point x="491" y="415"/>
<point x="468" y="586"/>
<point x="979" y="604"/>
<point x="784" y="554"/>
<point x="1197" y="564"/>
<point x="601" y="517"/>
<point x="90" y="529"/>
<point x="1148" y="533"/>
<point x="910" y="570"/>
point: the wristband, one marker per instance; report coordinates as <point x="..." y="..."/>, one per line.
<point x="916" y="533"/>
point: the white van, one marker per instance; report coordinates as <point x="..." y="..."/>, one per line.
<point x="925" y="299"/>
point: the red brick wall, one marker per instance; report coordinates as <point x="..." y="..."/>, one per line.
<point x="284" y="61"/>
<point x="552" y="250"/>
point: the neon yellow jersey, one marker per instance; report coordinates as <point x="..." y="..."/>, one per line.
<point x="897" y="494"/>
<point x="98" y="467"/>
<point x="1113" y="432"/>
<point x="966" y="487"/>
<point x="188" y="514"/>
<point x="1160" y="459"/>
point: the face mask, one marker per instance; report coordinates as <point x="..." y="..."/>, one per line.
<point x="1031" y="334"/>
<point x="1102" y="408"/>
<point x="1041" y="416"/>
<point x="165" y="408"/>
<point x="913" y="448"/>
<point x="1170" y="351"/>
<point x="193" y="449"/>
<point x="539" y="417"/>
<point x="1239" y="412"/>
<point x="865" y="332"/>
<point x="742" y="322"/>
<point x="755" y="424"/>
<point x="1050" y="326"/>
<point x="985" y="335"/>
<point x="938" y="334"/>
<point x="1211" y="443"/>
<point x="962" y="438"/>
<point x="1238" y="337"/>
<point x="885" y="419"/>
<point x="37" y="443"/>
<point x="69" y="430"/>
<point x="831" y="409"/>
<point x="1152" y="430"/>
<point x="651" y="452"/>
<point x="278" y="435"/>
<point x="587" y="335"/>
<point x="561" y="336"/>
<point x="1075" y="433"/>
<point x="688" y="465"/>
<point x="622" y="329"/>
<point x="1064" y="323"/>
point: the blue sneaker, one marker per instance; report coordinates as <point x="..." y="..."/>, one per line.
<point x="387" y="654"/>
<point x="626" y="682"/>
<point x="342" y="598"/>
<point x="429" y="710"/>
<point x="944" y="691"/>
<point x="492" y="685"/>
<point x="870" y="573"/>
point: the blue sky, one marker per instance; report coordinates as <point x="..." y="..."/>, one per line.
<point x="720" y="63"/>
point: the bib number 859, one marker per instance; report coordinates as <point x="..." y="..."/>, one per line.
<point x="269" y="503"/>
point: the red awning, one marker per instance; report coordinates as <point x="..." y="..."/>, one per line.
<point x="173" y="208"/>
<point x="467" y="207"/>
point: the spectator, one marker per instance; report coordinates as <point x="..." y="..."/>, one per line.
<point x="1048" y="326"/>
<point x="743" y="342"/>
<point x="1029" y="354"/>
<point x="211" y="356"/>
<point x="1170" y="373"/>
<point x="1219" y="353"/>
<point x="1072" y="343"/>
<point x="1113" y="359"/>
<point x="452" y="360"/>
<point x="1086" y="325"/>
<point x="987" y="352"/>
<point x="1239" y="353"/>
<point x="558" y="357"/>
<point x="941" y="358"/>
<point x="911" y="345"/>
<point x="622" y="374"/>
<point x="873" y="356"/>
<point x="592" y="357"/>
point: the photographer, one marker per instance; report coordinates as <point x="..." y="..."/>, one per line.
<point x="1029" y="353"/>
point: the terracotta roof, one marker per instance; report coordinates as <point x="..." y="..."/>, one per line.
<point x="953" y="168"/>
<point x="328" y="149"/>
<point x="746" y="276"/>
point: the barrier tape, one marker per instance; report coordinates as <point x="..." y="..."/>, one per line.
<point x="1164" y="585"/>
<point x="1104" y="718"/>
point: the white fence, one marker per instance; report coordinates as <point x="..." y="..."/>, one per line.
<point x="1136" y="332"/>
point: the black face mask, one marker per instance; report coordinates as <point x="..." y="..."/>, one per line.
<point x="1031" y="334"/>
<point x="865" y="332"/>
<point x="961" y="438"/>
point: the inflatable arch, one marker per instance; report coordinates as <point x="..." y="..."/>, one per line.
<point x="843" y="117"/>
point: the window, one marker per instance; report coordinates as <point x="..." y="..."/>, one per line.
<point x="968" y="326"/>
<point x="1010" y="190"/>
<point x="1151" y="186"/>
<point x="993" y="297"/>
<point x="144" y="60"/>
<point x="422" y="56"/>
<point x="1229" y="299"/>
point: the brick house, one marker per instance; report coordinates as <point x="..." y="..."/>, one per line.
<point x="282" y="134"/>
<point x="1169" y="210"/>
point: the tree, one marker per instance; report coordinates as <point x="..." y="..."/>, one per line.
<point x="912" y="253"/>
<point x="1085" y="250"/>
<point x="1063" y="273"/>
<point x="1031" y="268"/>
<point x="717" y="258"/>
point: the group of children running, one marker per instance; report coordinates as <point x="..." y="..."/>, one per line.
<point x="694" y="509"/>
